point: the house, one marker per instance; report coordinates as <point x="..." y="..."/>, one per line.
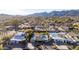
<point x="51" y="28"/>
<point x="44" y="28"/>
<point x="25" y="26"/>
<point x="40" y="28"/>
<point x="10" y="27"/>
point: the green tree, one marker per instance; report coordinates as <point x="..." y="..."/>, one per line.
<point x="15" y="23"/>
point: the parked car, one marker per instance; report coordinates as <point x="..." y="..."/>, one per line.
<point x="77" y="43"/>
<point x="17" y="39"/>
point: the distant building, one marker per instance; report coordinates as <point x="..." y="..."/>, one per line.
<point x="39" y="28"/>
<point x="51" y="28"/>
<point x="25" y="26"/>
<point x="43" y="28"/>
<point x="10" y="27"/>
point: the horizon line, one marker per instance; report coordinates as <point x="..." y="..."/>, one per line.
<point x="31" y="11"/>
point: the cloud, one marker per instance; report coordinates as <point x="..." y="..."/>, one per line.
<point x="21" y="6"/>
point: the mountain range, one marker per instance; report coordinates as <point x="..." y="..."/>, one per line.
<point x="58" y="13"/>
<point x="53" y="13"/>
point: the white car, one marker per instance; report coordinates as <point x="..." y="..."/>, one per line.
<point x="20" y="36"/>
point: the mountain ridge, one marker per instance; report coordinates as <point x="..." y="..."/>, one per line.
<point x="47" y="14"/>
<point x="58" y="13"/>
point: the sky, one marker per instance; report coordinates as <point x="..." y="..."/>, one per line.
<point x="24" y="12"/>
<point x="25" y="7"/>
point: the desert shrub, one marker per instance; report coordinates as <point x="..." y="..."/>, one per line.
<point x="1" y="47"/>
<point x="76" y="48"/>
